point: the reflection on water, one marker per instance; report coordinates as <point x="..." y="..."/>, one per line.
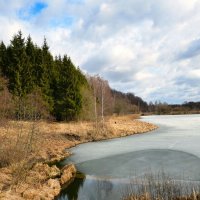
<point x="111" y="165"/>
<point x="111" y="189"/>
<point x="93" y="189"/>
<point x="72" y="191"/>
<point x="108" y="178"/>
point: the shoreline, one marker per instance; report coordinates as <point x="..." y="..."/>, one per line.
<point x="56" y="138"/>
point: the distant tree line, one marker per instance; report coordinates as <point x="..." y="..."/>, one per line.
<point x="128" y="103"/>
<point x="163" y="108"/>
<point x="33" y="81"/>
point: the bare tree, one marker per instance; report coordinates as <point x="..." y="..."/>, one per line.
<point x="103" y="100"/>
<point x="94" y="85"/>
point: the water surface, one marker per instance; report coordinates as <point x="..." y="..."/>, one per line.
<point x="110" y="165"/>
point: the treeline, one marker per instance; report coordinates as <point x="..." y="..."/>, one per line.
<point x="33" y="82"/>
<point x="128" y="103"/>
<point x="164" y="108"/>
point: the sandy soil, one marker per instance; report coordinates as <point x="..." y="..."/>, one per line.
<point x="44" y="180"/>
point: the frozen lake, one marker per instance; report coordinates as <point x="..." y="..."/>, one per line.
<point x="173" y="148"/>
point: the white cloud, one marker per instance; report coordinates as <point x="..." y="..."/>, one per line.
<point x="194" y="73"/>
<point x="142" y="76"/>
<point x="138" y="45"/>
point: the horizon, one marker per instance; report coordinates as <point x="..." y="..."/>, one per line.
<point x="144" y="47"/>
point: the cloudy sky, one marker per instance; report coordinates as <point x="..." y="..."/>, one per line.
<point x="148" y="47"/>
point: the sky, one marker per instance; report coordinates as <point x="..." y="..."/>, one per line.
<point x="148" y="47"/>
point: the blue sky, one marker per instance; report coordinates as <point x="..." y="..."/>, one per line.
<point x="148" y="47"/>
<point x="31" y="11"/>
<point x="37" y="7"/>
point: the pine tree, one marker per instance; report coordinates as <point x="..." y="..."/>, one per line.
<point x="17" y="64"/>
<point x="67" y="94"/>
<point x="3" y="70"/>
<point x="38" y="71"/>
<point x="46" y="70"/>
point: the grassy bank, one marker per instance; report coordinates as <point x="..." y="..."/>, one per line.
<point x="29" y="149"/>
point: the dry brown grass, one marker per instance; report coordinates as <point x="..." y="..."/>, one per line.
<point x="128" y="125"/>
<point x="52" y="138"/>
<point x="19" y="145"/>
<point x="18" y="140"/>
<point x="161" y="187"/>
<point x="24" y="143"/>
<point x="59" y="136"/>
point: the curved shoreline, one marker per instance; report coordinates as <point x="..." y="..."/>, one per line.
<point x="56" y="138"/>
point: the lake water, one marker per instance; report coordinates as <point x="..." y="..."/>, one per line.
<point x="109" y="165"/>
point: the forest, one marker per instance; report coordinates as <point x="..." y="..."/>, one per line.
<point x="33" y="82"/>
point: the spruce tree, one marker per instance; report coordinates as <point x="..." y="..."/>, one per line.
<point x="46" y="69"/>
<point x="67" y="93"/>
<point x="17" y="64"/>
<point x="3" y="70"/>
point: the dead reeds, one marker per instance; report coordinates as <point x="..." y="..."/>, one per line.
<point x="161" y="187"/>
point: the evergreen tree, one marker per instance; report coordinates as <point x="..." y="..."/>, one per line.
<point x="3" y="70"/>
<point x="30" y="50"/>
<point x="45" y="73"/>
<point x="38" y="71"/>
<point x="18" y="66"/>
<point x="67" y="92"/>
